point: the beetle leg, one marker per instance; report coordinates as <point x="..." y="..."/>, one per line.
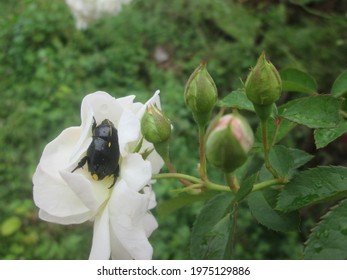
<point x="114" y="181"/>
<point x="115" y="176"/>
<point x="116" y="172"/>
<point x="81" y="163"/>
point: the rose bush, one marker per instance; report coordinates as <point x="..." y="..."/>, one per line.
<point x="121" y="214"/>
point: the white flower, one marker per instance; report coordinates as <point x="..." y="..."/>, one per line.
<point x="122" y="220"/>
<point x="88" y="11"/>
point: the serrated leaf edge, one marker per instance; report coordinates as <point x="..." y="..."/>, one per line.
<point x="307" y="170"/>
<point x="321" y="219"/>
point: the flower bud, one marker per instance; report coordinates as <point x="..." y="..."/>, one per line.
<point x="155" y="126"/>
<point x="229" y="142"/>
<point x="263" y="87"/>
<point x="156" y="129"/>
<point x="200" y="94"/>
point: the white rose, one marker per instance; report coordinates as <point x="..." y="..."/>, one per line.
<point x="88" y="11"/>
<point x="122" y="220"/>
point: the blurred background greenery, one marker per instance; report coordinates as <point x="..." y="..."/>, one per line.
<point x="47" y="67"/>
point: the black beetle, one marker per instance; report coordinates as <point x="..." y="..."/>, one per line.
<point x="103" y="153"/>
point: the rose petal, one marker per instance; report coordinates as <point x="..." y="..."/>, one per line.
<point x="151" y="197"/>
<point x="129" y="128"/>
<point x="55" y="197"/>
<point x="84" y="140"/>
<point x="126" y="102"/>
<point x="101" y="247"/>
<point x="154" y="158"/>
<point x="133" y="239"/>
<point x="68" y="220"/>
<point x="103" y="106"/>
<point x="149" y="224"/>
<point x="88" y="192"/>
<point x="156" y="161"/>
<point x="118" y="252"/>
<point x="153" y="100"/>
<point x="57" y="153"/>
<point x="127" y="210"/>
<point x="98" y="102"/>
<point x="135" y="171"/>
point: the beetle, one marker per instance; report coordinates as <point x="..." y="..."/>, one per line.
<point x="103" y="153"/>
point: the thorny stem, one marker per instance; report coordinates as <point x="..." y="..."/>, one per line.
<point x="231" y="180"/>
<point x="176" y="176"/>
<point x="191" y="187"/>
<point x="233" y="229"/>
<point x="197" y="183"/>
<point x="268" y="165"/>
<point x="202" y="168"/>
<point x="173" y="170"/>
<point x="268" y="183"/>
<point x="278" y="124"/>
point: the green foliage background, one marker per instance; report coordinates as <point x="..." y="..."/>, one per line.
<point x="47" y="67"/>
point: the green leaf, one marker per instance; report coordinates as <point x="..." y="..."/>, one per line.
<point x="169" y="206"/>
<point x="320" y="111"/>
<point x="285" y="160"/>
<point x="218" y="240"/>
<point x="324" y="136"/>
<point x="285" y="127"/>
<point x="281" y="159"/>
<point x="328" y="240"/>
<point x="262" y="210"/>
<point x="245" y="188"/>
<point x="237" y="99"/>
<point x="10" y="226"/>
<point x="250" y="167"/>
<point x="206" y="223"/>
<point x="295" y="80"/>
<point x="339" y="87"/>
<point x="313" y="186"/>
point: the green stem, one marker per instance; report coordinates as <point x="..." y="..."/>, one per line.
<point x="207" y="184"/>
<point x="266" y="149"/>
<point x="216" y="187"/>
<point x="233" y="230"/>
<point x="232" y="182"/>
<point x="203" y="172"/>
<point x="172" y="169"/>
<point x="268" y="183"/>
<point x="189" y="188"/>
<point x="177" y="176"/>
<point x="198" y="183"/>
<point x="278" y="124"/>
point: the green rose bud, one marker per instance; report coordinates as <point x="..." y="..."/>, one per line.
<point x="200" y="94"/>
<point x="155" y="125"/>
<point x="263" y="87"/>
<point x="229" y="142"/>
<point x="156" y="129"/>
